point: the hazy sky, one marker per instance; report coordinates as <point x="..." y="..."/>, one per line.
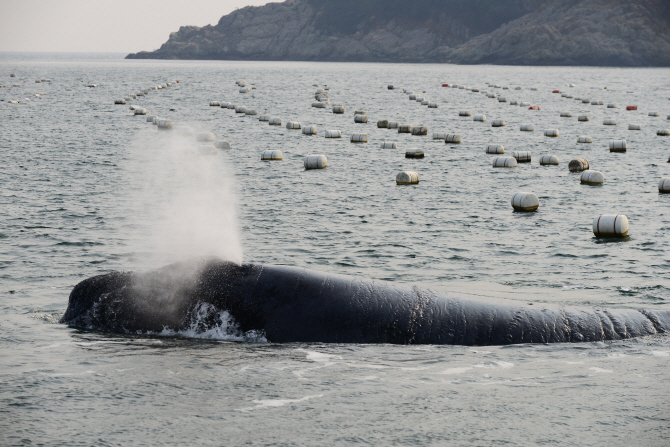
<point x="122" y="26"/>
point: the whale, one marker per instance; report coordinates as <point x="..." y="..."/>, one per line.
<point x="283" y="304"/>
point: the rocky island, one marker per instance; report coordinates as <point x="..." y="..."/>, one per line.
<point x="625" y="33"/>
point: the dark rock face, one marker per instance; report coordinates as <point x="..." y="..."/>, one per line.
<point x="526" y="32"/>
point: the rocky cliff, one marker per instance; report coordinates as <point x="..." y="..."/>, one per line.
<point x="525" y="32"/>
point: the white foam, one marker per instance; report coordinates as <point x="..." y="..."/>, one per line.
<point x="660" y="353"/>
<point x="600" y="370"/>
<point x="496" y="364"/>
<point x="273" y="403"/>
<point x="457" y="370"/>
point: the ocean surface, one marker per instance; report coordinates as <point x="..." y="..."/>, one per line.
<point x="88" y="187"/>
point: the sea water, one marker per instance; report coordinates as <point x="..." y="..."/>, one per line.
<point x="88" y="187"/>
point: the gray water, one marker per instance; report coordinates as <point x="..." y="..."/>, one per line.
<point x="88" y="188"/>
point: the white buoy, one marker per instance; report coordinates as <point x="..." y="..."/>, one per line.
<point x="309" y="130"/>
<point x="164" y="124"/>
<point x="596" y="103"/>
<point x="405" y="128"/>
<point x="504" y="162"/>
<point x="514" y="102"/>
<point x="184" y="131"/>
<point x="425" y="102"/>
<point x="525" y="201"/>
<point x="492" y="95"/>
<point x="583" y="118"/>
<point x="231" y="106"/>
<point x="549" y="160"/>
<point x="264" y="118"/>
<point x="663" y="132"/>
<point x="432" y="105"/>
<point x="360" y="119"/>
<point x="578" y="165"/>
<point x="464" y="113"/>
<point x="522" y="156"/>
<point x="664" y="185"/>
<point x="634" y="127"/>
<point x="481" y="118"/>
<point x="612" y="105"/>
<point x="452" y="138"/>
<point x="382" y="124"/>
<point x="412" y="97"/>
<point x="618" y="146"/>
<point x="338" y="108"/>
<point x="609" y="122"/>
<point x="407" y="178"/>
<point x="654" y="114"/>
<point x="150" y="118"/>
<point x="439" y="135"/>
<point x="419" y="130"/>
<point x="502" y="99"/>
<point x="319" y="105"/>
<point x="566" y="115"/>
<point x="316" y="162"/>
<point x="393" y="124"/>
<point x="214" y="104"/>
<point x="389" y="145"/>
<point x="592" y="177"/>
<point x="250" y="112"/>
<point x="495" y="149"/>
<point x="498" y="123"/>
<point x="140" y="111"/>
<point x="240" y="109"/>
<point x="551" y="133"/>
<point x="205" y="136"/>
<point x="272" y="155"/>
<point x="610" y="225"/>
<point x="222" y="144"/>
<point x="414" y="153"/>
<point x="119" y="101"/>
<point x="333" y="134"/>
<point x="524" y="104"/>
<point x="359" y="138"/>
<point x="293" y="125"/>
<point x="527" y="128"/>
<point x="584" y="139"/>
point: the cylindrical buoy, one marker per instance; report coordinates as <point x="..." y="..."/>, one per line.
<point x="634" y="127"/>
<point x="566" y="115"/>
<point x="412" y="97"/>
<point x="390" y="87"/>
<point x="525" y="201"/>
<point x="360" y="118"/>
<point x="419" y="130"/>
<point x="584" y="139"/>
<point x="275" y="121"/>
<point x="150" y="118"/>
<point x="393" y="124"/>
<point x="222" y="144"/>
<point x="205" y="136"/>
<point x="164" y="124"/>
<point x="502" y="99"/>
<point x="609" y="122"/>
<point x="527" y="128"/>
<point x="359" y="138"/>
<point x="405" y="128"/>
<point x="498" y="123"/>
<point x="140" y="111"/>
<point x="250" y="112"/>
<point x="586" y="101"/>
<point x="389" y="145"/>
<point x="514" y="102"/>
<point x="231" y="106"/>
<point x="439" y="135"/>
<point x="504" y="162"/>
<point x="293" y="125"/>
<point x="663" y="132"/>
<point x="464" y="113"/>
<point x="272" y="155"/>
<point x="654" y="114"/>
<point x="214" y="104"/>
<point x="407" y="178"/>
<point x="618" y="146"/>
<point x="240" y="109"/>
<point x="316" y="162"/>
<point x="664" y="185"/>
<point x="631" y="107"/>
<point x="481" y="118"/>
<point x="524" y="104"/>
<point x="382" y="124"/>
<point x="338" y="108"/>
<point x="551" y="133"/>
<point x="522" y="156"/>
<point x="319" y="105"/>
<point x="612" y="106"/>
<point x="432" y="105"/>
<point x="590" y="177"/>
<point x="414" y="153"/>
<point x="119" y="101"/>
<point x="309" y="130"/>
<point x="452" y="138"/>
<point x="549" y="160"/>
<point x="583" y="118"/>
<point x="264" y="117"/>
<point x="578" y="165"/>
<point x="610" y="225"/>
<point x="495" y="149"/>
<point x="333" y="134"/>
<point x="425" y="102"/>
